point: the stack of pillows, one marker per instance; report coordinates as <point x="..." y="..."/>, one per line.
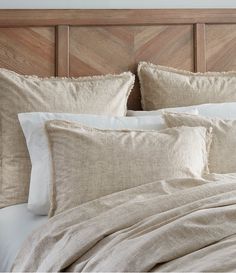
<point x="65" y="142"/>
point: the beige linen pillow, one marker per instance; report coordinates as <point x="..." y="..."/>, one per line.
<point x="94" y="95"/>
<point x="222" y="157"/>
<point x="163" y="87"/>
<point x="90" y="163"/>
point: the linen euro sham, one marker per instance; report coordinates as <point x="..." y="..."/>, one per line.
<point x="105" y="95"/>
<point x="89" y="163"/>
<point x="164" y="87"/>
<point x="222" y="158"/>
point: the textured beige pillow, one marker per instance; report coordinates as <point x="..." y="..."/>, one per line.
<point x="94" y="95"/>
<point x="163" y="87"/>
<point x="90" y="163"/>
<point x="222" y="157"/>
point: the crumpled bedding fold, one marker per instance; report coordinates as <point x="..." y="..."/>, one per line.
<point x="185" y="225"/>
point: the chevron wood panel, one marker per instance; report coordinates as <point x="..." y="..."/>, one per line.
<point x="28" y="50"/>
<point x="113" y="49"/>
<point x="88" y="42"/>
<point x="221" y="47"/>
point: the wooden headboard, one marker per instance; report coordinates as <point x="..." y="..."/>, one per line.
<point x="89" y="42"/>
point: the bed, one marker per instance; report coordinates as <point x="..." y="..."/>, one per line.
<point x="16" y="224"/>
<point x="70" y="43"/>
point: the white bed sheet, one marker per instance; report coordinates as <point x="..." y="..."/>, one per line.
<point x="16" y="223"/>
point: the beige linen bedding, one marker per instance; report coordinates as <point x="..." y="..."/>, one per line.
<point x="164" y="87"/>
<point x="89" y="163"/>
<point x="222" y="156"/>
<point x="105" y="95"/>
<point x="182" y="225"/>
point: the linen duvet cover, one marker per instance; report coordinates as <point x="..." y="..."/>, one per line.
<point x="182" y="225"/>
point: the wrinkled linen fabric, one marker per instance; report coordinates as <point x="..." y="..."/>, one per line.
<point x="222" y="158"/>
<point x="178" y="225"/>
<point x="164" y="87"/>
<point x="104" y="95"/>
<point x="89" y="163"/>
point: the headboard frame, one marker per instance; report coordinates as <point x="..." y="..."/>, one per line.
<point x="89" y="42"/>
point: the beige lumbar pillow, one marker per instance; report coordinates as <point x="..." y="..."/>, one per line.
<point x="18" y="94"/>
<point x="90" y="163"/>
<point x="222" y="158"/>
<point x="163" y="87"/>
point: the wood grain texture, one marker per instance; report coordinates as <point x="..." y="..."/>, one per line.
<point x="62" y="51"/>
<point x="28" y="50"/>
<point x="221" y="47"/>
<point x="200" y="47"/>
<point x="115" y="17"/>
<point x="113" y="49"/>
<point x="89" y="42"/>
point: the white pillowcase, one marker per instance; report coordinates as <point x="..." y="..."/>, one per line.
<point x="188" y="109"/>
<point x="211" y="110"/>
<point x="33" y="125"/>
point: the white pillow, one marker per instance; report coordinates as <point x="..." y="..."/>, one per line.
<point x="33" y="125"/>
<point x="211" y="110"/>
